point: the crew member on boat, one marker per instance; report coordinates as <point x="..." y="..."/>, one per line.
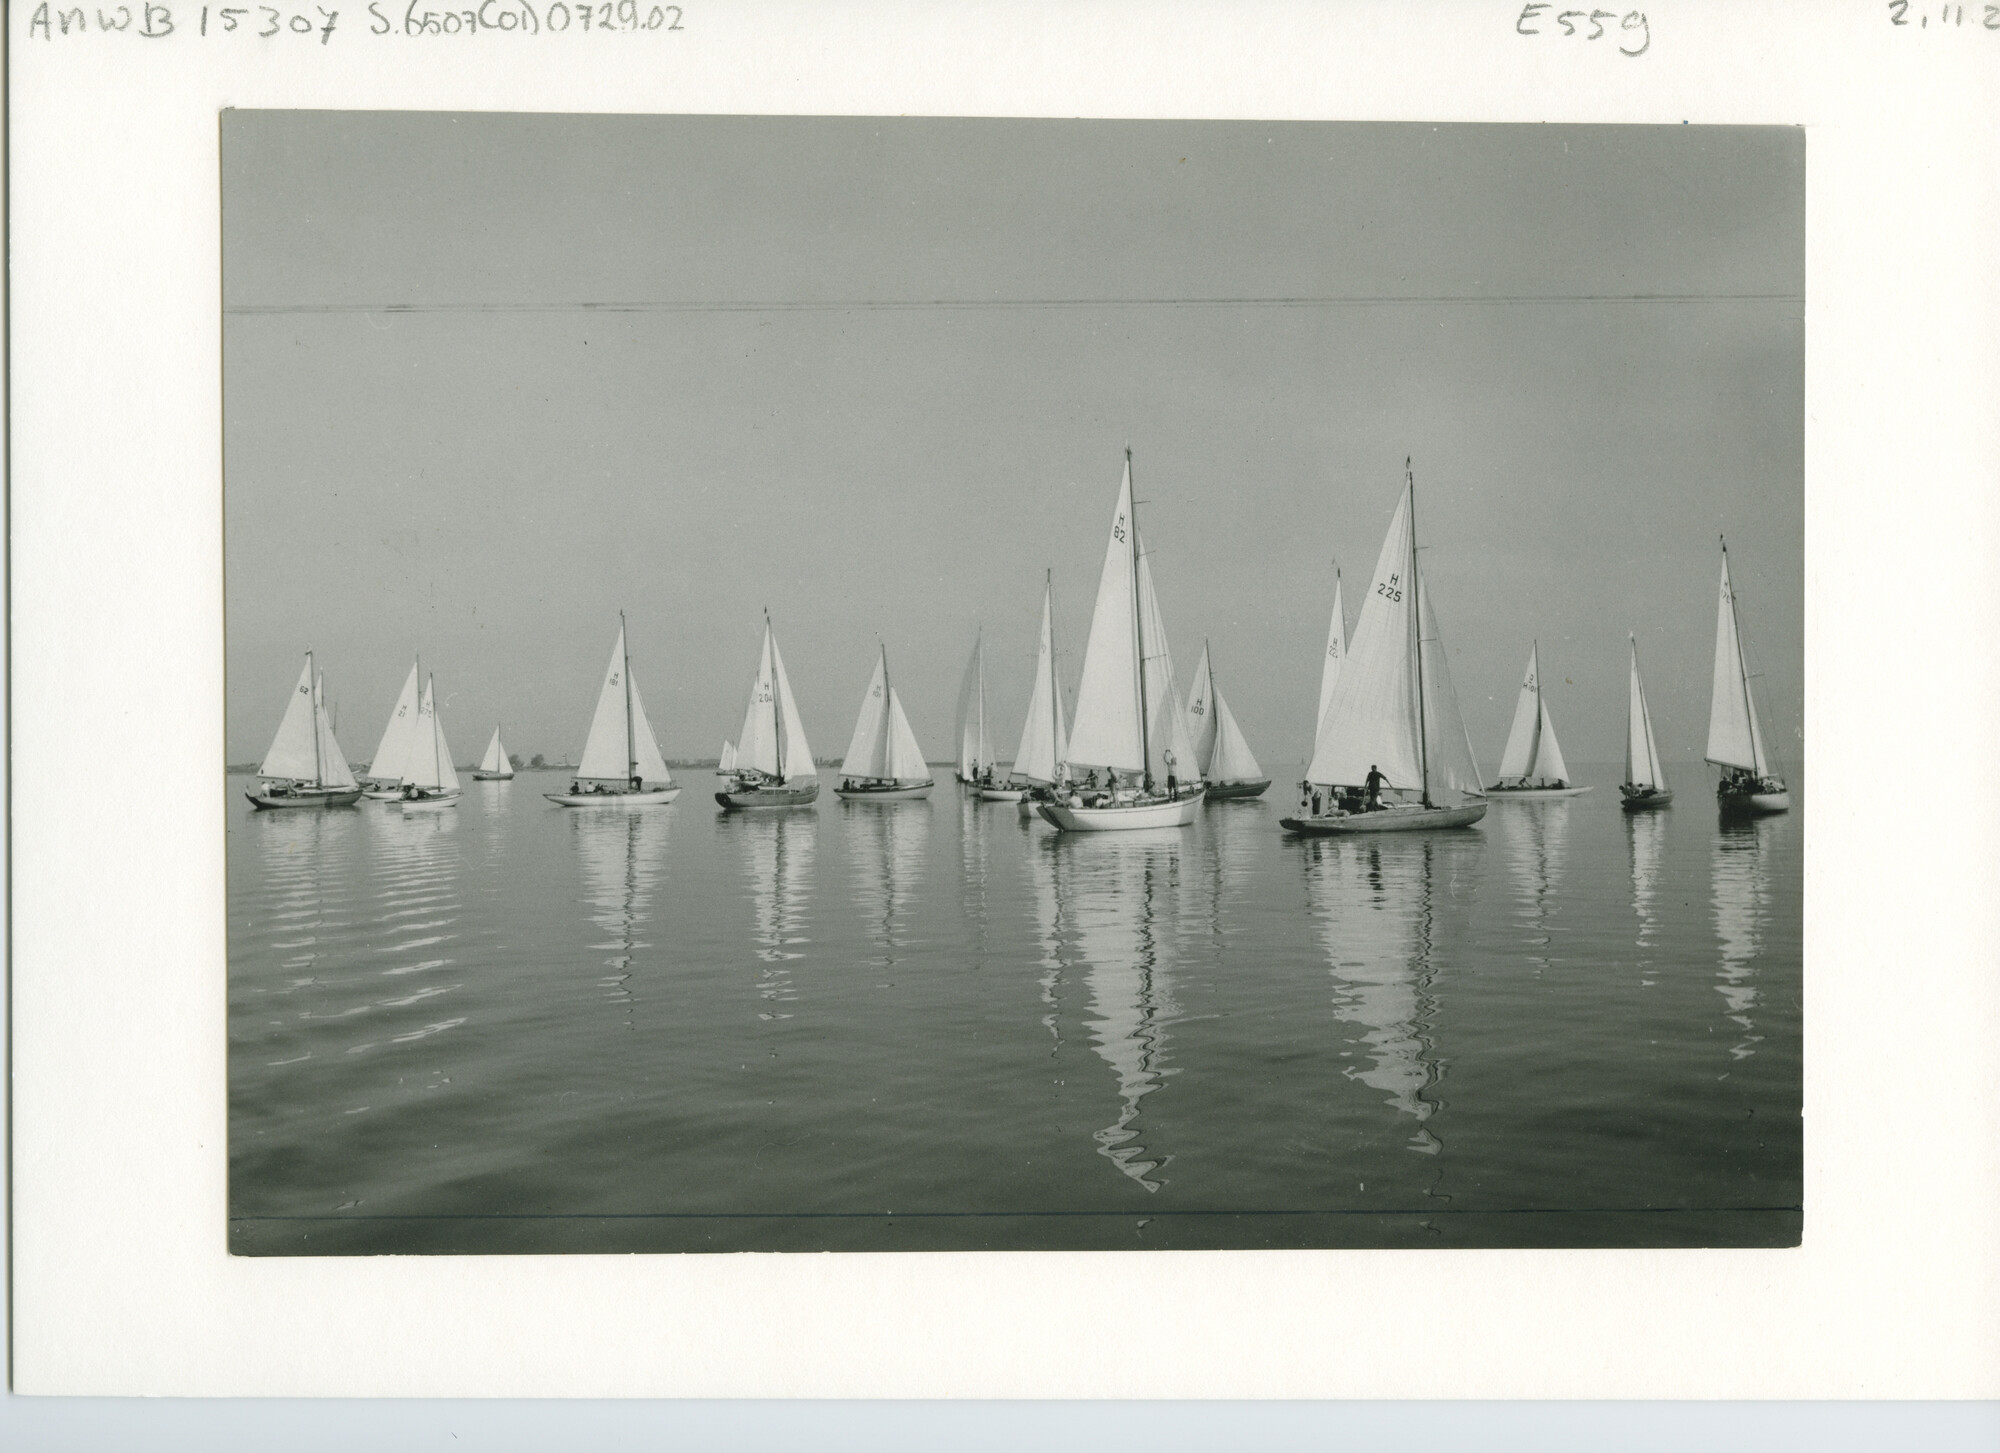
<point x="1376" y="782"/>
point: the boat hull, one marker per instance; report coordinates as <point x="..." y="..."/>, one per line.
<point x="430" y="804"/>
<point x="1643" y="801"/>
<point x="1532" y="794"/>
<point x="1002" y="794"/>
<point x="277" y="801"/>
<point x="748" y="798"/>
<point x="1389" y="819"/>
<point x="657" y="797"/>
<point x="1226" y="791"/>
<point x="493" y="776"/>
<point x="882" y="794"/>
<point x="1753" y="804"/>
<point x="1177" y="813"/>
<point x="383" y="794"/>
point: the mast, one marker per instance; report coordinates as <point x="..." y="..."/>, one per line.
<point x="1139" y="635"/>
<point x="888" y="726"/>
<point x="631" y="746"/>
<point x="319" y="767"/>
<point x="1743" y="668"/>
<point x="777" y="707"/>
<point x="1055" y="701"/>
<point x="1417" y="625"/>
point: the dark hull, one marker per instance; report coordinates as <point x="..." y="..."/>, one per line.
<point x="270" y="802"/>
<point x="1644" y="801"/>
<point x="1395" y="819"/>
<point x="1223" y="791"/>
<point x="752" y="797"/>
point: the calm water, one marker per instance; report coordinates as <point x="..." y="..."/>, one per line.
<point x="515" y="1027"/>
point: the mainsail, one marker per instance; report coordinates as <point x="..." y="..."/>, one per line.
<point x="727" y="761"/>
<point x="333" y="768"/>
<point x="883" y="747"/>
<point x="496" y="759"/>
<point x="772" y="740"/>
<point x="1642" y="751"/>
<point x="1118" y="686"/>
<point x="1044" y="736"/>
<point x="975" y="751"/>
<point x="387" y="763"/>
<point x="1336" y="653"/>
<point x="1393" y="707"/>
<point x="1219" y="747"/>
<point x="1532" y="750"/>
<point x="1734" y="737"/>
<point x="429" y="764"/>
<point x="621" y="744"/>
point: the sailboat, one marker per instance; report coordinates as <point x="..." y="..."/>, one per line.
<point x="621" y="765"/>
<point x="1129" y="719"/>
<point x="1044" y="735"/>
<point x="305" y="766"/>
<point x="1532" y="765"/>
<point x="1226" y="763"/>
<point x="975" y="749"/>
<point x="726" y="763"/>
<point x="1393" y="723"/>
<point x="496" y="765"/>
<point x="1735" y="739"/>
<point x="1645" y="783"/>
<point x="884" y="762"/>
<point x="774" y="766"/>
<point x="430" y="782"/>
<point x="383" y="781"/>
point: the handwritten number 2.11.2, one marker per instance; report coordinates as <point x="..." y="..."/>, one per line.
<point x="1953" y="15"/>
<point x="1632" y="24"/>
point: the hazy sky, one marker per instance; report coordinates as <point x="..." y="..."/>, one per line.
<point x="878" y="375"/>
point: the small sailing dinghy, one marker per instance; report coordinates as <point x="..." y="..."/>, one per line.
<point x="1037" y="770"/>
<point x="430" y="782"/>
<point x="1130" y="723"/>
<point x="496" y="765"/>
<point x="884" y="762"/>
<point x="1735" y="738"/>
<point x="383" y="781"/>
<point x="975" y="748"/>
<point x="1392" y="753"/>
<point x="1645" y="783"/>
<point x="774" y="766"/>
<point x="621" y="765"/>
<point x="305" y="766"/>
<point x="1533" y="766"/>
<point x="1226" y="763"/>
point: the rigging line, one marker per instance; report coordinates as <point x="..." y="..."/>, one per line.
<point x="752" y="305"/>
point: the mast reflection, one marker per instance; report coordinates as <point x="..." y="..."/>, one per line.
<point x="1375" y="904"/>
<point x="620" y="855"/>
<point x="1536" y="835"/>
<point x="1742" y="894"/>
<point x="890" y="851"/>
<point x="1645" y="833"/>
<point x="1116" y="891"/>
<point x="778" y="853"/>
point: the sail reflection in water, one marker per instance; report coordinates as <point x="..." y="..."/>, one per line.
<point x="778" y="863"/>
<point x="417" y="867"/>
<point x="621" y="855"/>
<point x="1118" y="891"/>
<point x="1644" y="834"/>
<point x="890" y="849"/>
<point x="1053" y="931"/>
<point x="311" y="908"/>
<point x="1536" y="838"/>
<point x="1742" y="901"/>
<point x="1373" y="902"/>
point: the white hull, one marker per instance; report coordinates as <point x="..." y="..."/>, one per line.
<point x="1002" y="794"/>
<point x="1122" y="818"/>
<point x="1530" y="794"/>
<point x="430" y="804"/>
<point x="658" y="797"/>
<point x="884" y="794"/>
<point x="383" y="794"/>
<point x="1389" y="819"/>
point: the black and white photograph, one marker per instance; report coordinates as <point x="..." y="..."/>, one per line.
<point x="844" y="683"/>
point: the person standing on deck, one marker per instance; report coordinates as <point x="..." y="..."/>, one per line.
<point x="1376" y="782"/>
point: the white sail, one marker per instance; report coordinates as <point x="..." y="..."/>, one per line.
<point x="798" y="760"/>
<point x="294" y="753"/>
<point x="646" y="746"/>
<point x="868" y="749"/>
<point x="727" y="761"/>
<point x="1642" y="750"/>
<point x="1734" y="736"/>
<point x="429" y="765"/>
<point x="975" y="751"/>
<point x="1231" y="759"/>
<point x="1105" y="731"/>
<point x="1201" y="709"/>
<point x="1336" y="653"/>
<point x="757" y="744"/>
<point x="906" y="758"/>
<point x="1373" y="719"/>
<point x="1523" y="736"/>
<point x="1170" y="729"/>
<point x="606" y="750"/>
<point x="387" y="763"/>
<point x="333" y="768"/>
<point x="1044" y="737"/>
<point x="1549" y="764"/>
<point x="495" y="759"/>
